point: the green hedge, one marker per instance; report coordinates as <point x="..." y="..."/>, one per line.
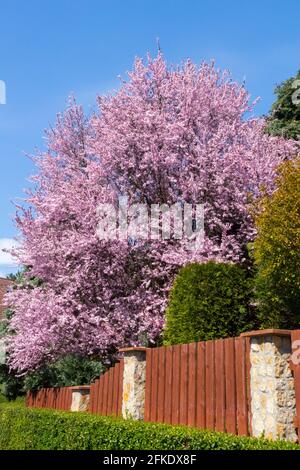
<point x="35" y="429"/>
<point x="209" y="301"/>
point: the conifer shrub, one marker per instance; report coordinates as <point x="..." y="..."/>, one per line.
<point x="209" y="301"/>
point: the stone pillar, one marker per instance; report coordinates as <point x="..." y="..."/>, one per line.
<point x="273" y="402"/>
<point x="80" y="398"/>
<point x="134" y="381"/>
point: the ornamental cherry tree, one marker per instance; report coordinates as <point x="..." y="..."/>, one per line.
<point x="168" y="135"/>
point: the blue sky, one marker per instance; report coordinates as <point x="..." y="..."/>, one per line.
<point x="49" y="49"/>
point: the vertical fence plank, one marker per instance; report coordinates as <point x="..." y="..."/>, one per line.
<point x="50" y="400"/>
<point x="154" y="388"/>
<point x="230" y="387"/>
<point x="241" y="390"/>
<point x="69" y="398"/>
<point x="110" y="390"/>
<point x="169" y="386"/>
<point x="66" y="395"/>
<point x="46" y="395"/>
<point x="60" y="405"/>
<point x="38" y="399"/>
<point x="192" y="374"/>
<point x="53" y="398"/>
<point x="220" y="385"/>
<point x="94" y="403"/>
<point x="61" y="397"/>
<point x="91" y="402"/>
<point x="58" y="399"/>
<point x="184" y="370"/>
<point x="45" y="398"/>
<point x="201" y="386"/>
<point x="57" y="395"/>
<point x="97" y="397"/>
<point x="100" y="395"/>
<point x="248" y="377"/>
<point x="121" y="372"/>
<point x="114" y="410"/>
<point x="176" y="384"/>
<point x="210" y="385"/>
<point x="105" y="393"/>
<point x="161" y="384"/>
<point x="148" y="391"/>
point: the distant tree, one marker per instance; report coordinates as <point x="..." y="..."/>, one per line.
<point x="284" y="117"/>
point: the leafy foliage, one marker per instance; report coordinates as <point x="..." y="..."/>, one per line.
<point x="277" y="251"/>
<point x="33" y="429"/>
<point x="11" y="386"/>
<point x="209" y="301"/>
<point x="284" y="120"/>
<point x="68" y="371"/>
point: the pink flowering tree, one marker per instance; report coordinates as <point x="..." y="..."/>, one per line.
<point x="168" y="135"/>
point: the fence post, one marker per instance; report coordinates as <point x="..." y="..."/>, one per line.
<point x="80" y="398"/>
<point x="273" y="402"/>
<point x="134" y="382"/>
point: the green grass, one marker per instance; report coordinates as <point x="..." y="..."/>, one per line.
<point x="40" y="429"/>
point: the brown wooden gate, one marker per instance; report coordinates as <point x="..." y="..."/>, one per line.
<point x="205" y="384"/>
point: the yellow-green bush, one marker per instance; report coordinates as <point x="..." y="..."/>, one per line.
<point x="277" y="251"/>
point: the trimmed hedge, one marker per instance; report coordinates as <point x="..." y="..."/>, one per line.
<point x="40" y="429"/>
<point x="209" y="301"/>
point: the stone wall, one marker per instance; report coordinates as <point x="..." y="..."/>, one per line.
<point x="273" y="403"/>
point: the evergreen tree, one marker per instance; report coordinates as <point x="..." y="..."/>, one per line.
<point x="284" y="118"/>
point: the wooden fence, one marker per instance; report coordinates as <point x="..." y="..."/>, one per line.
<point x="106" y="392"/>
<point x="203" y="384"/>
<point x="56" y="398"/>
